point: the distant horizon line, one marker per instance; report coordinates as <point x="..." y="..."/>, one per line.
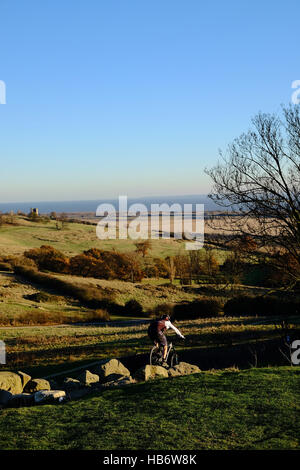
<point x="104" y="199"/>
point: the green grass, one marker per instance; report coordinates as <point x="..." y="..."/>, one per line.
<point x="252" y="409"/>
<point x="72" y="240"/>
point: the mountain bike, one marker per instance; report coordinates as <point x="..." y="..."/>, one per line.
<point x="156" y="356"/>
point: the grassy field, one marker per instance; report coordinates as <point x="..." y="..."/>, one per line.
<point x="238" y="408"/>
<point x="72" y="240"/>
<point x="252" y="409"/>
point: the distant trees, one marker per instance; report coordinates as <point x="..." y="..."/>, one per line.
<point x="259" y="177"/>
<point x="196" y="264"/>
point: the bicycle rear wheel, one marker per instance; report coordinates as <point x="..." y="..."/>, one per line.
<point x="155" y="356"/>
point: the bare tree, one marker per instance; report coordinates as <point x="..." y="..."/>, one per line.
<point x="258" y="181"/>
<point x="171" y="268"/>
<point x="143" y="247"/>
<point x="61" y="221"/>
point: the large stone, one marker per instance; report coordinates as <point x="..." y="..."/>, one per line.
<point x="11" y="382"/>
<point x="116" y="380"/>
<point x="35" y="385"/>
<point x="49" y="396"/>
<point x="149" y="372"/>
<point x="111" y="366"/>
<point x="71" y="384"/>
<point x="5" y="397"/>
<point x="87" y="378"/>
<point x="183" y="368"/>
<point x="25" y="378"/>
<point x="21" y="399"/>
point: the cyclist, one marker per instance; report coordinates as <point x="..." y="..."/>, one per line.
<point x="156" y="333"/>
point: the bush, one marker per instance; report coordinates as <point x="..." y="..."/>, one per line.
<point x="162" y="309"/>
<point x="104" y="264"/>
<point x="33" y="317"/>
<point x="260" y="306"/>
<point x="204" y="308"/>
<point x="40" y="297"/>
<point x="133" y="308"/>
<point x="48" y="258"/>
<point x="5" y="267"/>
<point x="97" y="316"/>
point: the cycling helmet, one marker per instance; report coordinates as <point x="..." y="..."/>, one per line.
<point x="165" y="317"/>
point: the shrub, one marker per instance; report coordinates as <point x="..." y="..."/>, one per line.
<point x="133" y="308"/>
<point x="40" y="297"/>
<point x="5" y="267"/>
<point x="97" y="316"/>
<point x="260" y="306"/>
<point x="204" y="308"/>
<point x="104" y="264"/>
<point x="33" y="317"/>
<point x="48" y="258"/>
<point x="162" y="309"/>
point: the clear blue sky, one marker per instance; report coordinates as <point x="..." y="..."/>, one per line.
<point x="134" y="96"/>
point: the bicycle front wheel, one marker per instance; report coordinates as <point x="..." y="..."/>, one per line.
<point x="174" y="361"/>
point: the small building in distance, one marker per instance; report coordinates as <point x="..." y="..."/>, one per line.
<point x="34" y="211"/>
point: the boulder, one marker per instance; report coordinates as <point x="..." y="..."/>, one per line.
<point x="149" y="372"/>
<point x="11" y="382"/>
<point x="21" y="399"/>
<point x="35" y="385"/>
<point x="71" y="384"/>
<point x="24" y="377"/>
<point x="87" y="378"/>
<point x="111" y="366"/>
<point x="49" y="396"/>
<point x="116" y="380"/>
<point x="183" y="368"/>
<point x="5" y="397"/>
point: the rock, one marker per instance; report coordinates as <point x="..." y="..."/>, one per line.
<point x="25" y="378"/>
<point x="11" y="382"/>
<point x="71" y="384"/>
<point x="150" y="372"/>
<point x="5" y="397"/>
<point x="111" y="366"/>
<point x="49" y="396"/>
<point x="87" y="378"/>
<point x="21" y="399"/>
<point x="116" y="380"/>
<point x="35" y="385"/>
<point x="183" y="368"/>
